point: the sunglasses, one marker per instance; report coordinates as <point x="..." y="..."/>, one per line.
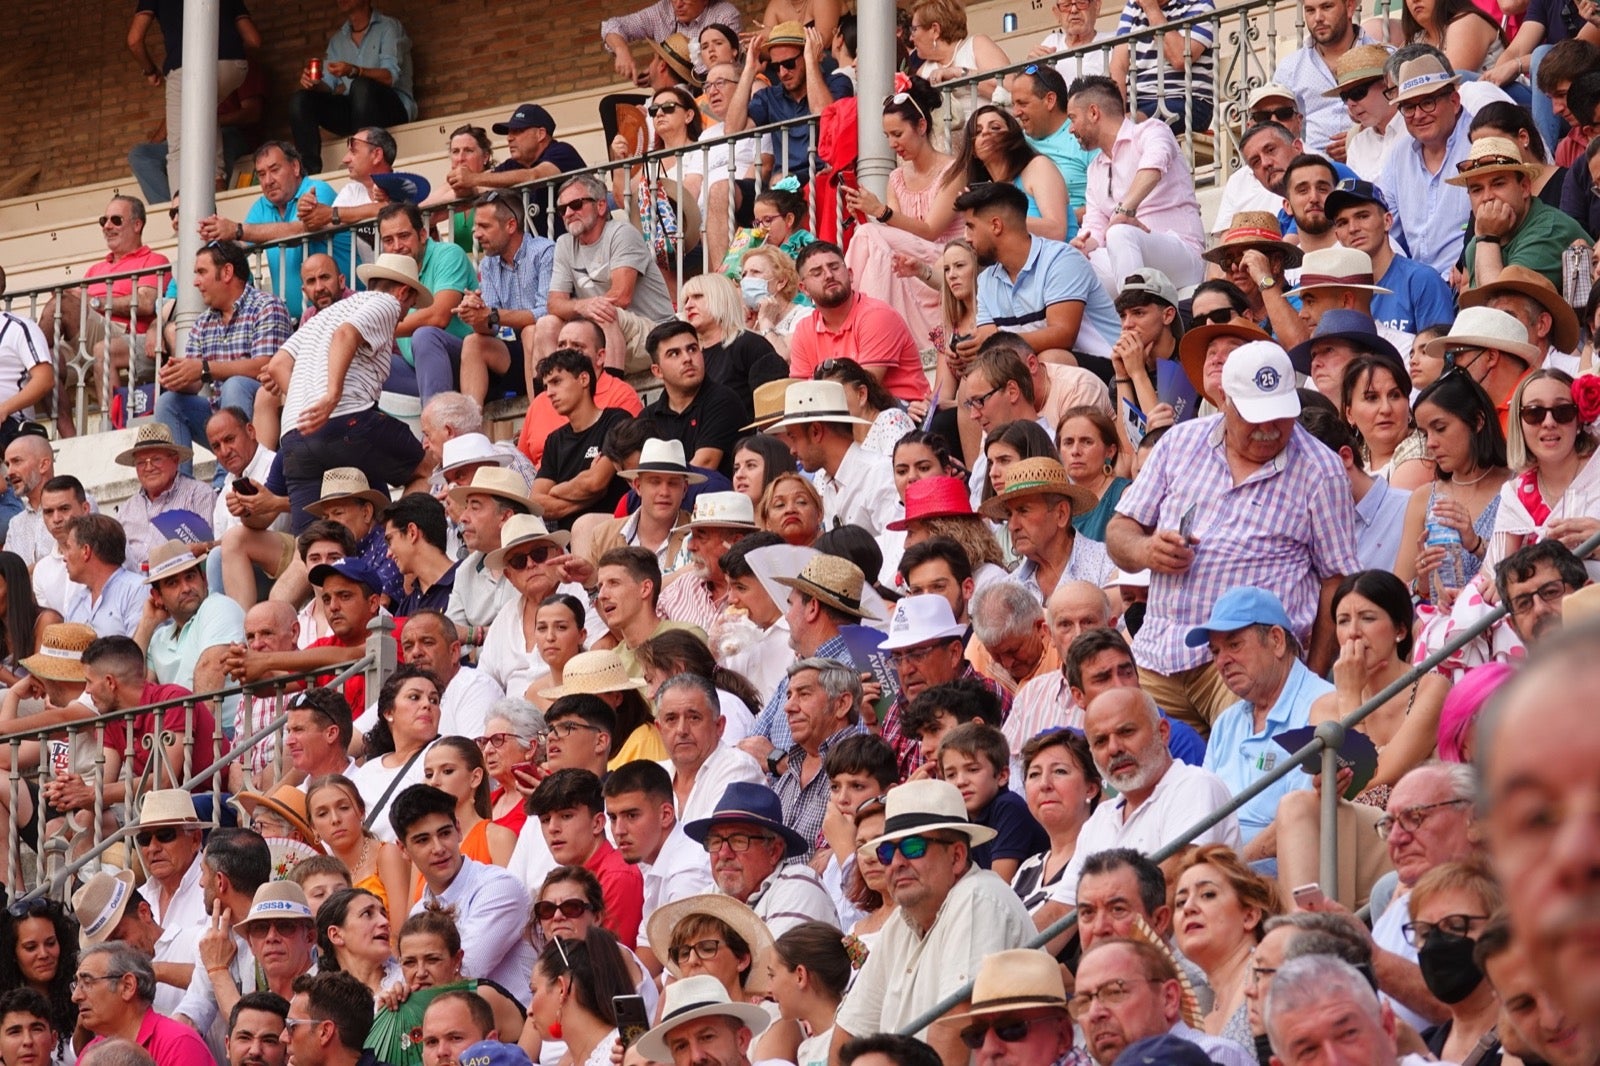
<point x="1564" y="413"/>
<point x="907" y="98"/>
<point x="164" y="836"/>
<point x="532" y="557"/>
<point x="1467" y="166"/>
<point x="912" y="847"/>
<point x="570" y="908"/>
<point x="24" y="907"/>
<point x="1220" y="317"/>
<point x="576" y="205"/>
<point x="1358" y="92"/>
<point x="1273" y="114"/>
<point x="787" y="64"/>
<point x="664" y="109"/>
<point x="1008" y="1032"/>
<point x="284" y="927"/>
<point x="115" y="220"/>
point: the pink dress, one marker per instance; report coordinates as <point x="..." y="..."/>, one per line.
<point x="872" y="251"/>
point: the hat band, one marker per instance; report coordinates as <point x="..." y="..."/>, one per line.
<point x="697" y="1005"/>
<point x="1024" y="486"/>
<point x="1364" y="74"/>
<point x="1309" y="280"/>
<point x="1422" y="81"/>
<point x="817" y="412"/>
<point x="901" y="823"/>
<point x="734" y="814"/>
<point x="657" y="467"/>
<point x="1250" y="233"/>
<point x="119" y="892"/>
<point x="852" y="602"/>
<point x="75" y="654"/>
<point x="271" y="908"/>
<point x="1040" y="1000"/>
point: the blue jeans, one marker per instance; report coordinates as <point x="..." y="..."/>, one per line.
<point x="148" y="161"/>
<point x="435" y="366"/>
<point x="1544" y="116"/>
<point x="186" y="414"/>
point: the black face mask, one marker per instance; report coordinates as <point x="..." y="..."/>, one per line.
<point x="1133" y="617"/>
<point x="1447" y="966"/>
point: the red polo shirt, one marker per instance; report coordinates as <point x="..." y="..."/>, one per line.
<point x="138" y="259"/>
<point x="874" y="335"/>
<point x="207" y="737"/>
<point x="622" y="887"/>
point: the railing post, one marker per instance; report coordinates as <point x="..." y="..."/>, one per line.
<point x="381" y="659"/>
<point x="1332" y="736"/>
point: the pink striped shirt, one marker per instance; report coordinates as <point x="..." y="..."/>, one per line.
<point x="1043" y="703"/>
<point x="1286" y="528"/>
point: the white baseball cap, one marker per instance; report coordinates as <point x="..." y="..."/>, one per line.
<point x="1259" y="381"/>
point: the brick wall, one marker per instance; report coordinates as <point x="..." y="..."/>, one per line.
<point x="74" y="101"/>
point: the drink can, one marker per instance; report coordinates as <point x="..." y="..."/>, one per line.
<point x="314" y="68"/>
<point x="60" y="758"/>
<point x="1008" y="22"/>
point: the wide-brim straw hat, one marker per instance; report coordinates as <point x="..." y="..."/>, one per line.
<point x="1192" y="350"/>
<point x="153" y="435"/>
<point x="834" y="581"/>
<point x="1361" y="63"/>
<point x="287" y="802"/>
<point x="1254" y="229"/>
<point x="727" y="910"/>
<point x="1484" y="327"/>
<point x="689" y="1000"/>
<point x="594" y="672"/>
<point x="60" y="654"/>
<point x="347" y="483"/>
<point x="1522" y="281"/>
<point x="767" y="402"/>
<point x="393" y="267"/>
<point x="100" y="904"/>
<point x="662" y="457"/>
<point x="674" y="52"/>
<point x="924" y="807"/>
<point x="502" y="483"/>
<point x="816" y="401"/>
<point x="1016" y="980"/>
<point x="521" y="529"/>
<point x="722" y="510"/>
<point x="277" y="901"/>
<point x="171" y="557"/>
<point x="168" y="806"/>
<point x="1038" y="476"/>
<point x="1492" y="155"/>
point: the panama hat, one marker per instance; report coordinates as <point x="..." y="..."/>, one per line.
<point x="1015" y="980"/>
<point x="1192" y="350"/>
<point x="722" y="510"/>
<point x="1038" y="476"/>
<point x="153" y="435"/>
<point x="1422" y="76"/>
<point x="689" y="1000"/>
<point x="1492" y="155"/>
<point x="1484" y="327"/>
<point x="921" y="619"/>
<point x="1337" y="268"/>
<point x="746" y="802"/>
<point x="277" y="901"/>
<point x="100" y="904"/>
<point x="171" y="557"/>
<point x="393" y="267"/>
<point x="60" y="654"/>
<point x="344" y="483"/>
<point x="789" y="33"/>
<point x="523" y="529"/>
<point x="286" y="801"/>
<point x="1361" y="63"/>
<point x="767" y="401"/>
<point x="594" y="672"/>
<point x="168" y="806"/>
<point x="470" y="449"/>
<point x="832" y="580"/>
<point x="925" y="807"/>
<point x="665" y="919"/>
<point x="499" y="482"/>
<point x="815" y="401"/>
<point x="935" y="497"/>
<point x="662" y="457"/>
<point x="1253" y="229"/>
<point x="674" y="52"/>
<point x="1521" y="281"/>
<point x="1271" y="91"/>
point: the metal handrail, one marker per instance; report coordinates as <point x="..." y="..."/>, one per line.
<point x="1325" y="743"/>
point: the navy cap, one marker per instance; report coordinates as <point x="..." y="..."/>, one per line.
<point x="1164" y="1050"/>
<point x="527" y="117"/>
<point x="1348" y="193"/>
<point x="350" y="568"/>
<point x="401" y="187"/>
<point x="1237" y="608"/>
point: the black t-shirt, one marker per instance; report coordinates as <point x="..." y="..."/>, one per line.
<point x="749" y="361"/>
<point x="169" y="16"/>
<point x="565" y="159"/>
<point x="568" y="453"/>
<point x="712" y="420"/>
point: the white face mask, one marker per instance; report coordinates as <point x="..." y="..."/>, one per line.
<point x="754" y="291"/>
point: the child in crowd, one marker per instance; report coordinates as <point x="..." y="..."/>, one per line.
<point x="859" y="768"/>
<point x="319" y="876"/>
<point x="941" y="709"/>
<point x="976" y="759"/>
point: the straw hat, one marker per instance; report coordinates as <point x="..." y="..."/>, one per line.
<point x="935" y="497"/>
<point x="674" y="52"/>
<point x="60" y="654"/>
<point x="1192" y="350"/>
<point x="287" y="802"/>
<point x="1579" y="606"/>
<point x="767" y="400"/>
<point x="1361" y="63"/>
<point x="1016" y="980"/>
<point x="693" y="998"/>
<point x="277" y="901"/>
<point x="392" y="267"/>
<point x="727" y="910"/>
<point x="789" y="33"/>
<point x="168" y="806"/>
<point x="662" y="457"/>
<point x="832" y="580"/>
<point x="1521" y="281"/>
<point x="171" y="557"/>
<point x="1036" y="477"/>
<point x="921" y="620"/>
<point x="470" y="449"/>
<point x="1422" y="76"/>
<point x="1492" y="155"/>
<point x="152" y="435"/>
<point x="1484" y="327"/>
<point x="523" y="529"/>
<point x="924" y="807"/>
<point x="815" y="401"/>
<point x="100" y="904"/>
<point x="1254" y="229"/>
<point x="722" y="510"/>
<point x="344" y="483"/>
<point x="594" y="672"/>
<point x="1337" y="268"/>
<point x="499" y="482"/>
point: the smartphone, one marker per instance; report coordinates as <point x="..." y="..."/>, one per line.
<point x="847" y="180"/>
<point x="632" y="1021"/>
<point x="527" y="768"/>
<point x="245" y="487"/>
<point x="1308" y="896"/>
<point x="1186" y="524"/>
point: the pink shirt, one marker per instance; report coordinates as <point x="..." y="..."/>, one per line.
<point x="1171" y="206"/>
<point x="874" y="334"/>
<point x="138" y="259"/>
<point x="169" y="1043"/>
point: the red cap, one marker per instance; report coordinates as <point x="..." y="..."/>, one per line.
<point x="934" y="497"/>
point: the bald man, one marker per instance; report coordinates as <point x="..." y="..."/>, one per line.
<point x="1046" y="702"/>
<point x="270" y="625"/>
<point x="321" y="283"/>
<point x="30" y="462"/>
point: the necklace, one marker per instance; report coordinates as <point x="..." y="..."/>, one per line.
<point x="1474" y="481"/>
<point x="366" y="852"/>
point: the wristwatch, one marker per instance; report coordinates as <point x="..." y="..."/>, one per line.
<point x="774" y="757"/>
<point x="1266" y="281"/>
<point x="97" y="303"/>
<point x="336" y="221"/>
<point x="205" y="371"/>
<point x="494" y="319"/>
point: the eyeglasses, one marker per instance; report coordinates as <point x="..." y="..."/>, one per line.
<point x="1565" y="413"/>
<point x="1412" y="818"/>
<point x="1452" y="357"/>
<point x="115" y="220"/>
<point x="497" y="740"/>
<point x="1425" y="105"/>
<point x="1274" y="114"/>
<point x="975" y="404"/>
<point x="89" y="980"/>
<point x="546" y="909"/>
<point x="1008" y="1032"/>
<point x="533" y="556"/>
<point x="1548" y="594"/>
<point x="164" y="836"/>
<point x="787" y="64"/>
<point x="720" y="81"/>
<point x="1220" y="317"/>
<point x="1111" y="993"/>
<point x="1358" y="92"/>
<point x="563" y="730"/>
<point x="352" y="142"/>
<point x="706" y="949"/>
<point x="1467" y="166"/>
<point x="739" y="842"/>
<point x="289" y="1024"/>
<point x="24" y="907"/>
<point x="1070" y="5"/>
<point x="912" y="847"/>
<point x="664" y="109"/>
<point x="576" y="205"/>
<point x="911" y="655"/>
<point x="1451" y="925"/>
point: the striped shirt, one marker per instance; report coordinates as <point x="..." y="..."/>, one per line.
<point x="22" y="347"/>
<point x="908" y="749"/>
<point x="805" y="804"/>
<point x="1043" y="703"/>
<point x="792" y="895"/>
<point x="1154" y="75"/>
<point x="688" y="598"/>
<point x="375" y="316"/>
<point x="1285" y="528"/>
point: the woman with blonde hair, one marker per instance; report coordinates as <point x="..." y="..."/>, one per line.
<point x="1450" y="905"/>
<point x="769" y="285"/>
<point x="1219" y="909"/>
<point x="792" y="509"/>
<point x="735" y="357"/>
<point x="949" y="52"/>
<point x="337" y="810"/>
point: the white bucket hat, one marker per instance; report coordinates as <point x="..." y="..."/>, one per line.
<point x="693" y="998"/>
<point x="920" y="619"/>
<point x="470" y="449"/>
<point x="523" y="529"/>
<point x="722" y="510"/>
<point x="1337" y="268"/>
<point x="662" y="457"/>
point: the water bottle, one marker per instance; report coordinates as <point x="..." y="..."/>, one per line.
<point x="1440" y="535"/>
<point x="1008" y="22"/>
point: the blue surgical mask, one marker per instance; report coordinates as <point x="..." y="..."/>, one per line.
<point x="754" y="290"/>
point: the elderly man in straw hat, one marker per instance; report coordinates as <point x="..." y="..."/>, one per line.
<point x="274" y="943"/>
<point x="108" y="908"/>
<point x="1019" y="1013"/>
<point x="699" y="1023"/>
<point x="856" y="486"/>
<point x="698" y="594"/>
<point x="155" y="459"/>
<point x="1492" y="348"/>
<point x="482" y="507"/>
<point x="1528" y="296"/>
<point x="1037" y="504"/>
<point x="1512" y="226"/>
<point x="329" y="376"/>
<point x="951" y="914"/>
<point x="1254" y="256"/>
<point x="186" y="628"/>
<point x="530" y="556"/>
<point x="1358" y="85"/>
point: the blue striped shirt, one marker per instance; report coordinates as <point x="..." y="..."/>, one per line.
<point x="525" y="284"/>
<point x="1153" y="80"/>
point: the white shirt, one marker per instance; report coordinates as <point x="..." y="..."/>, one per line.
<point x="356" y="194"/>
<point x="464" y="706"/>
<point x="1244" y="193"/>
<point x="1387" y="934"/>
<point x="860" y="493"/>
<point x="372" y="780"/>
<point x="531" y="860"/>
<point x="722" y="768"/>
<point x="682" y="869"/>
<point x="507" y="660"/>
<point x="738" y="716"/>
<point x="51" y="585"/>
<point x="491" y="908"/>
<point x="1183" y="795"/>
<point x="1365" y="147"/>
<point x="478" y="594"/>
<point x="175" y="945"/>
<point x="256" y="470"/>
<point x="22" y="347"/>
<point x="187" y="907"/>
<point x="764" y="662"/>
<point x="792" y="895"/>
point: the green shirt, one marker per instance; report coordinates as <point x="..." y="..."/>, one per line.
<point x="444" y="266"/>
<point x="1536" y="244"/>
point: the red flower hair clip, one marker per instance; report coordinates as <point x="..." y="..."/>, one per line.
<point x="902" y="82"/>
<point x="1586" y="394"/>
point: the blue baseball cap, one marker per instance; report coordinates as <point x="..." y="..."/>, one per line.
<point x="1237" y="608"/>
<point x="403" y="187"/>
<point x="351" y="568"/>
<point x="1163" y="1050"/>
<point x="494" y="1053"/>
<point x="1348" y="193"/>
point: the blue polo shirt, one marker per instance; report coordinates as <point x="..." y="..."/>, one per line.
<point x="774" y="104"/>
<point x="1239" y="755"/>
<point x="1055" y="272"/>
<point x="284" y="261"/>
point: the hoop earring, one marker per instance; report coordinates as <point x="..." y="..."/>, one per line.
<point x="1110" y="468"/>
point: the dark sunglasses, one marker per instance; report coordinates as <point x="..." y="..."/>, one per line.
<point x="574" y="205"/>
<point x="1358" y="92"/>
<point x="1220" y="317"/>
<point x="912" y="847"/>
<point x="115" y="220"/>
<point x="24" y="907"/>
<point x="165" y="836"/>
<point x="664" y="109"/>
<point x="1008" y="1032"/>
<point x="284" y="927"/>
<point x="533" y="556"/>
<point x="570" y="908"/>
<point x="1274" y="114"/>
<point x="787" y="64"/>
<point x="1534" y="414"/>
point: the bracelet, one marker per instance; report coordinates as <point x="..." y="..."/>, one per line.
<point x="888" y="213"/>
<point x="1484" y="238"/>
<point x="1120" y="209"/>
<point x="1122" y="381"/>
